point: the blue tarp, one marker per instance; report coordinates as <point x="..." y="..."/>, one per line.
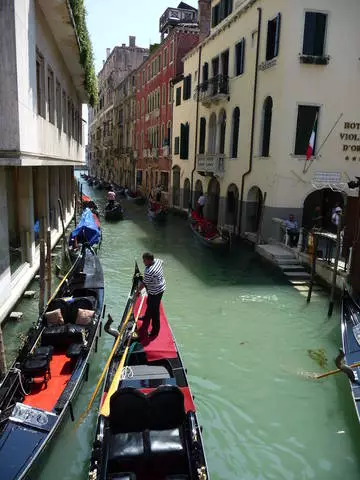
<point x="86" y="230"/>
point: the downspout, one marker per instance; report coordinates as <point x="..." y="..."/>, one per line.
<point x="196" y="128"/>
<point x="249" y="170"/>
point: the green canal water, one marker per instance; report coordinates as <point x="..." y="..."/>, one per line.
<point x="244" y="333"/>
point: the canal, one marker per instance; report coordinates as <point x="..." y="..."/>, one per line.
<point x="244" y="335"/>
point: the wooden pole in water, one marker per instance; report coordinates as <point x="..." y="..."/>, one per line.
<point x="313" y="266"/>
<point x="336" y="262"/>
<point x="66" y="251"/>
<point x="261" y="220"/>
<point x="42" y="276"/>
<point x="48" y="264"/>
<point x="2" y="356"/>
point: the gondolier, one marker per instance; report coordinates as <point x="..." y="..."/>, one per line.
<point x="154" y="282"/>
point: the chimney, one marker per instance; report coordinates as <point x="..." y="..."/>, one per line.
<point x="132" y="41"/>
<point x="123" y="45"/>
<point x="107" y="53"/>
<point x="204" y="16"/>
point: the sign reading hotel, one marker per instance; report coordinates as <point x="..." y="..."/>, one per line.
<point x="350" y="140"/>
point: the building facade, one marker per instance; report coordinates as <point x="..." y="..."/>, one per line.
<point x="155" y="95"/>
<point x="102" y="124"/>
<point x="41" y="137"/>
<point x="268" y="74"/>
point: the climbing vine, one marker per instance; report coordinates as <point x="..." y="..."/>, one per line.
<point x="86" y="53"/>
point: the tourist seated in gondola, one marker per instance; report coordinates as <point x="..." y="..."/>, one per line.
<point x="111" y="197"/>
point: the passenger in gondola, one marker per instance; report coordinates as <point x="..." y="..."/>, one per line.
<point x="111" y="196"/>
<point x="155" y="284"/>
<point x="200" y="205"/>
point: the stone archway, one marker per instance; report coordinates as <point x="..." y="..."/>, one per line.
<point x="327" y="200"/>
<point x="176" y="187"/>
<point x="253" y="209"/>
<point x="213" y="199"/>
<point x="232" y="204"/>
<point x="186" y="194"/>
<point x="198" y="191"/>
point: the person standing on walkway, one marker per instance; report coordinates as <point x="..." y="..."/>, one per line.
<point x="292" y="230"/>
<point x="155" y="284"/>
<point x="200" y="205"/>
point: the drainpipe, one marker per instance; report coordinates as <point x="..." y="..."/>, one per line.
<point x="249" y="170"/>
<point x="196" y="128"/>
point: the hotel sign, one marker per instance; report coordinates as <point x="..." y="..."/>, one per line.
<point x="350" y="140"/>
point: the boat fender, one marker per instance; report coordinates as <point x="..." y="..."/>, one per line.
<point x="343" y="367"/>
<point x="108" y="329"/>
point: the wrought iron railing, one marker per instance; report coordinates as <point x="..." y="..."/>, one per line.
<point x="214" y="87"/>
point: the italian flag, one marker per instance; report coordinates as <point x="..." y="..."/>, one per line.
<point x="310" y="148"/>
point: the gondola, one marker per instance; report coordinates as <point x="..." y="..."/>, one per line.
<point x="208" y="234"/>
<point x="38" y="392"/>
<point x="350" y="333"/>
<point x="115" y="212"/>
<point x="147" y="427"/>
<point x="87" y="231"/>
<point x="88" y="203"/>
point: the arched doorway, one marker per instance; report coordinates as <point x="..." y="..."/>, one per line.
<point x="213" y="198"/>
<point x="232" y="203"/>
<point x="327" y="200"/>
<point x="212" y="134"/>
<point x="186" y="193"/>
<point x="176" y="187"/>
<point x="198" y="191"/>
<point x="253" y="209"/>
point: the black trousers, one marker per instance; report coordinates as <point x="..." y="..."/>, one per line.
<point x="152" y="315"/>
<point x="294" y="237"/>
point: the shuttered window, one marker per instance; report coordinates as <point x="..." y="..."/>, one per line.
<point x="184" y="141"/>
<point x="239" y="57"/>
<point x="314" y="33"/>
<point x="273" y="37"/>
<point x="202" y="135"/>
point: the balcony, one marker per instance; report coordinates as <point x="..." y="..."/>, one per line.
<point x="211" y="164"/>
<point x="214" y="90"/>
<point x="176" y="16"/>
<point x="165" y="150"/>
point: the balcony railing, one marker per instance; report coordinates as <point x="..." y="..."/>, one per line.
<point x="165" y="150"/>
<point x="211" y="163"/>
<point x="214" y="89"/>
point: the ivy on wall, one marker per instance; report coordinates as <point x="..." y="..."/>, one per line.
<point x="86" y="53"/>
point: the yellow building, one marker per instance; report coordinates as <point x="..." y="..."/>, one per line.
<point x="268" y="74"/>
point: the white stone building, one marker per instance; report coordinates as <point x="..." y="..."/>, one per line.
<point x="41" y="97"/>
<point x="265" y="72"/>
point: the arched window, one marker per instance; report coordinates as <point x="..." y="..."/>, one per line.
<point x="202" y="135"/>
<point x="266" y="130"/>
<point x="222" y="128"/>
<point x="235" y="132"/>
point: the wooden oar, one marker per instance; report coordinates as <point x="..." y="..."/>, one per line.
<point x="105" y="409"/>
<point x="102" y="376"/>
<point x="333" y="372"/>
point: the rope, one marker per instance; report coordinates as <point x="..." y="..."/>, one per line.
<point x="18" y="371"/>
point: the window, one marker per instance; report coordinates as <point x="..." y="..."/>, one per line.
<point x="58" y="105"/>
<point x="184" y="141"/>
<point x="177" y="145"/>
<point x="202" y="135"/>
<point x="165" y="57"/>
<point x="171" y="93"/>
<point x="266" y="133"/>
<point x="273" y="37"/>
<point x="51" y="95"/>
<point x="40" y="84"/>
<point x="239" y="57"/>
<point x="205" y="72"/>
<point x="178" y="96"/>
<point x="69" y="123"/>
<point x="139" y="175"/>
<point x="64" y="112"/>
<point x="221" y="11"/>
<point x="163" y="134"/>
<point x="222" y="126"/>
<point x="159" y="63"/>
<point x="215" y="15"/>
<point x="164" y="181"/>
<point x="187" y="87"/>
<point x="164" y="94"/>
<point x="306" y="121"/>
<point x="314" y="34"/>
<point x="235" y="132"/>
<point x="171" y="51"/>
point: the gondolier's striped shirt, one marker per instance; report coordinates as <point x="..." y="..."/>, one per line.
<point x="154" y="279"/>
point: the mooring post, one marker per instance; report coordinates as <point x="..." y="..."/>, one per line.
<point x="313" y="265"/>
<point x="42" y="276"/>
<point x="336" y="262"/>
<point x="48" y="264"/>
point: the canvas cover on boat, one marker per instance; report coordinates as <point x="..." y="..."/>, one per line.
<point x="87" y="229"/>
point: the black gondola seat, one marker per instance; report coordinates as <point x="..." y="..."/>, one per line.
<point x="128" y="419"/>
<point x="167" y="415"/>
<point x="37" y="365"/>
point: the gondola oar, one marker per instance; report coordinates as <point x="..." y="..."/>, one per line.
<point x="105" y="409"/>
<point x="334" y="372"/>
<point x="102" y="376"/>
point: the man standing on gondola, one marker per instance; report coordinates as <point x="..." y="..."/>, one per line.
<point x="154" y="282"/>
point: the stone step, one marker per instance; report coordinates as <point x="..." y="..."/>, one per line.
<point x="292" y="268"/>
<point x="287" y="261"/>
<point x="297" y="275"/>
